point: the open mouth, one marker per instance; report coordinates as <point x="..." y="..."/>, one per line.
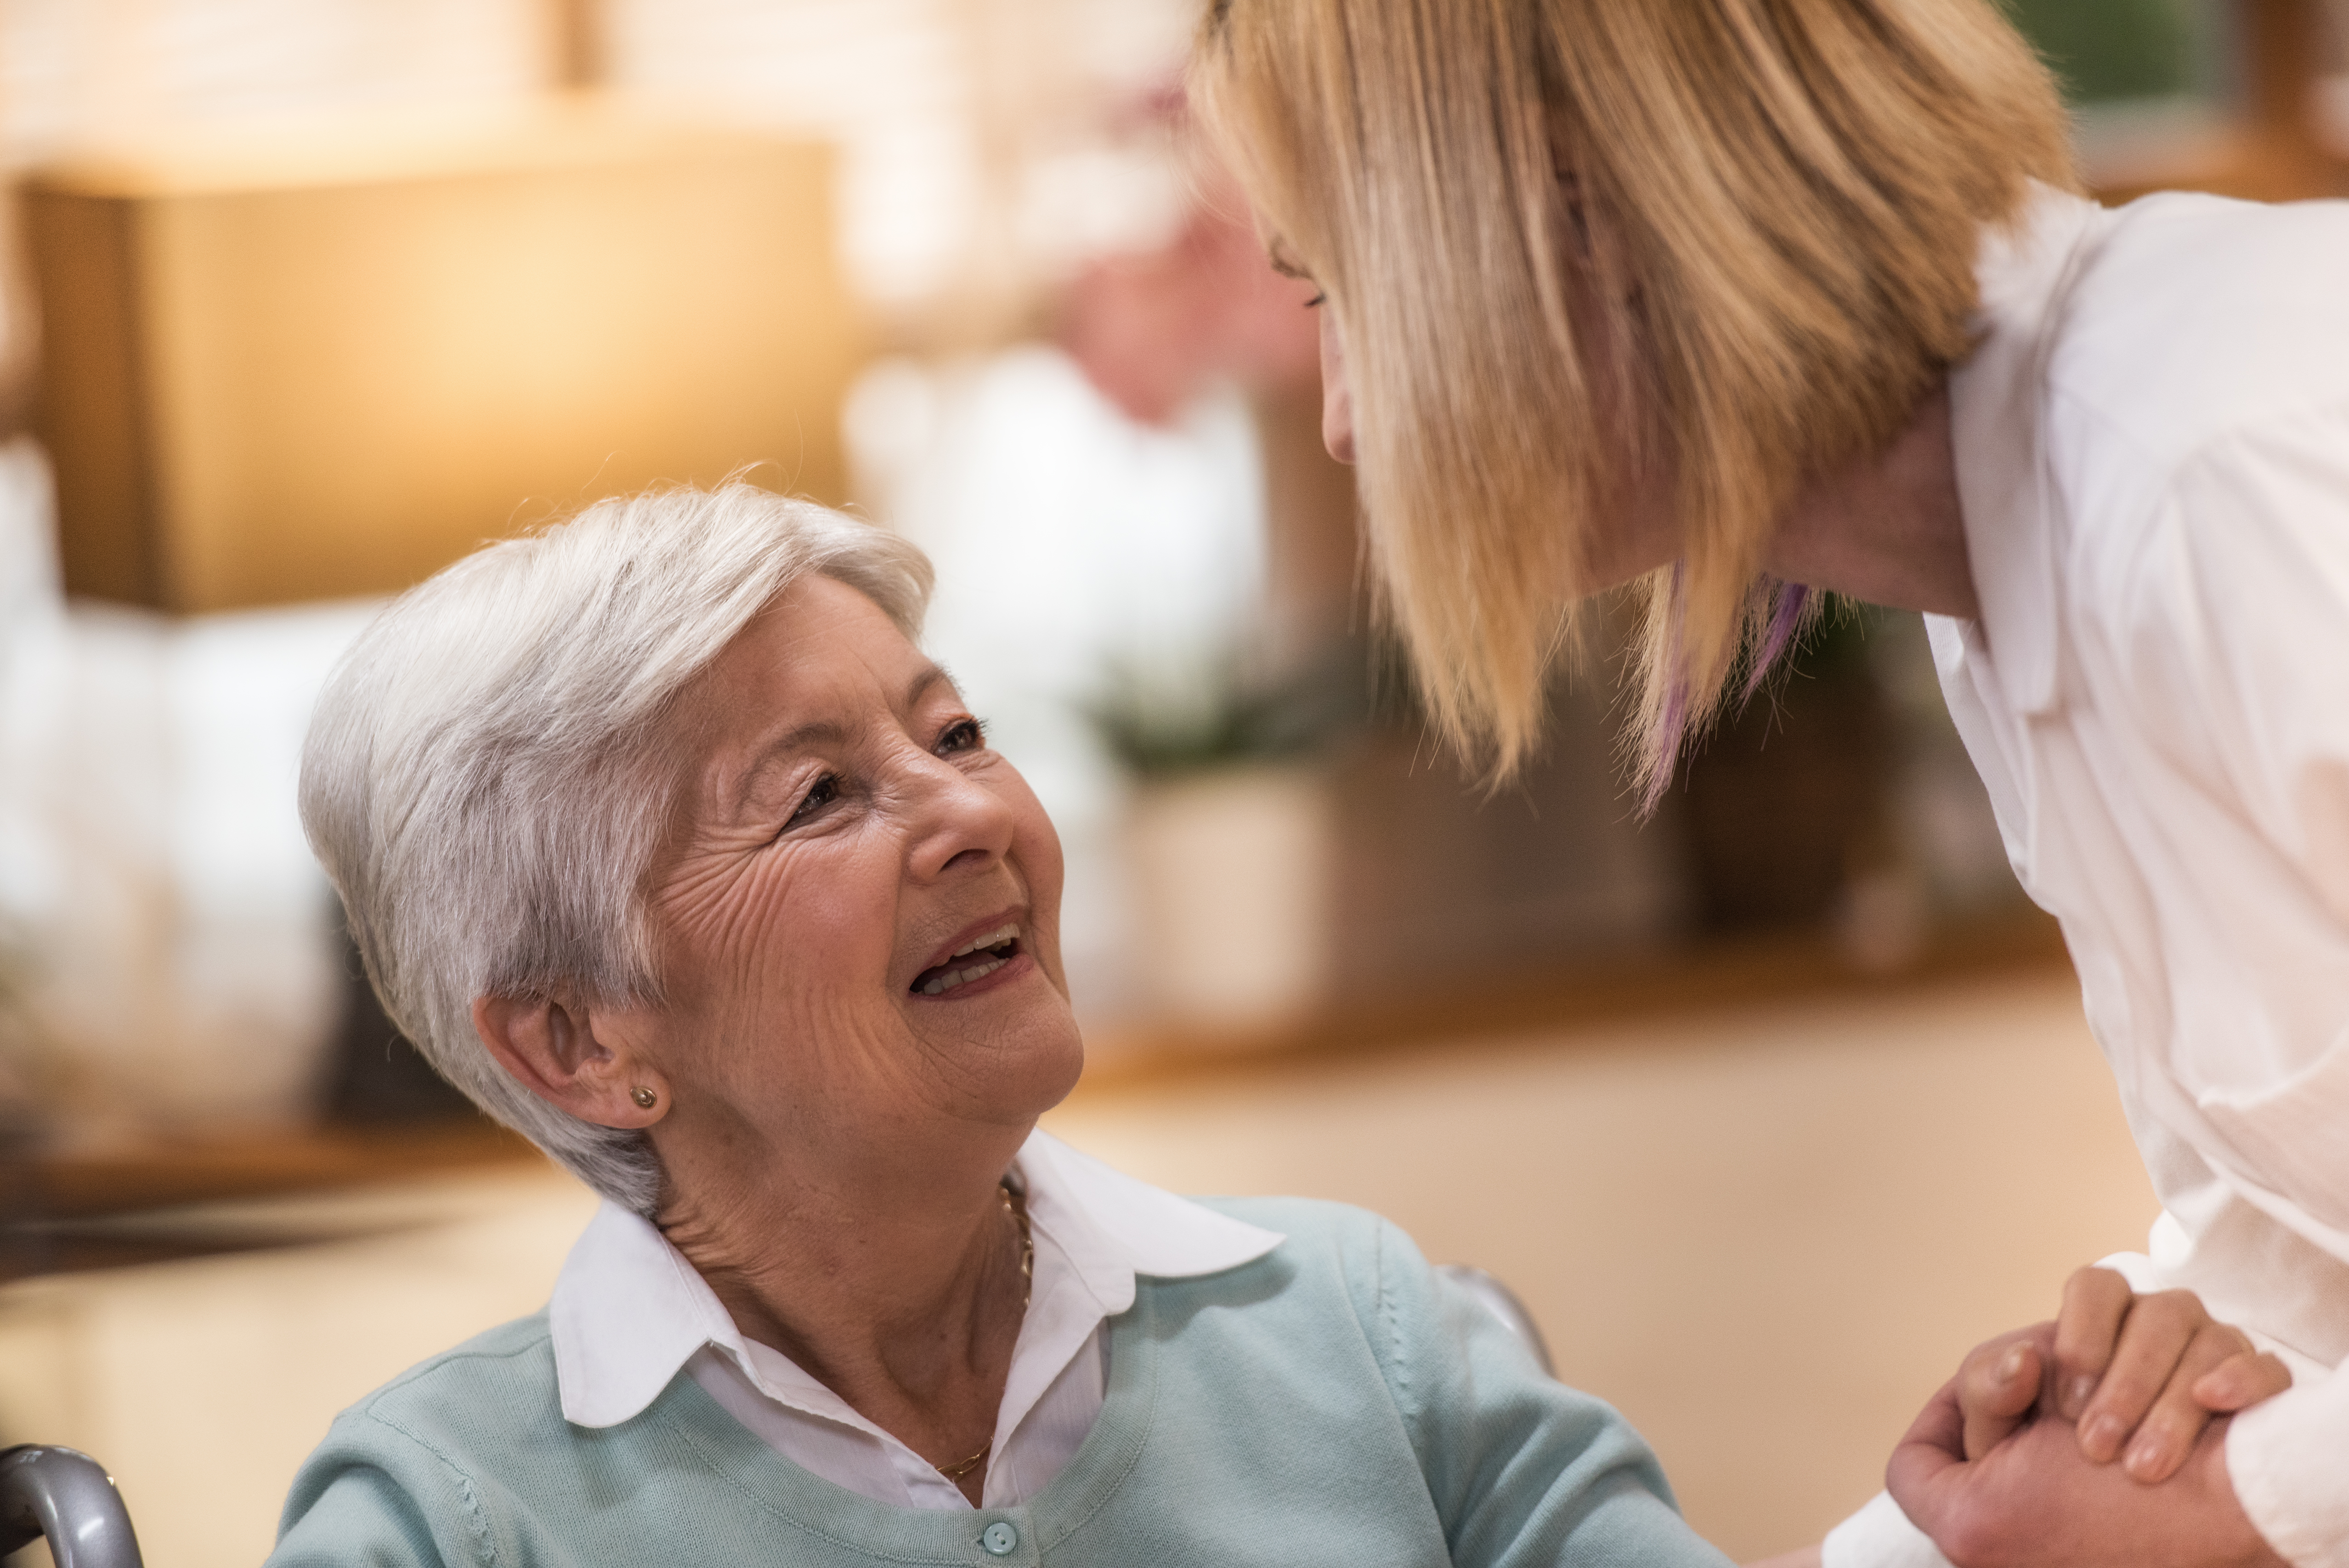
<point x="982" y="958"/>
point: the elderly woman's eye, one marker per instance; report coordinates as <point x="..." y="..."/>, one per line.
<point x="821" y="793"/>
<point x="963" y="735"/>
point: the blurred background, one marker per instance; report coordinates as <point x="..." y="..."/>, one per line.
<point x="300" y="301"/>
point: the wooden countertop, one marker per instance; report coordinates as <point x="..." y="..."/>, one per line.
<point x="1701" y="979"/>
<point x="78" y="1185"/>
<point x="72" y="1209"/>
<point x="75" y="1210"/>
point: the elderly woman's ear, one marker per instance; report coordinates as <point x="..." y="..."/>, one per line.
<point x="573" y="1060"/>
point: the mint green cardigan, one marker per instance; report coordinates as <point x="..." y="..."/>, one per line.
<point x="1332" y="1402"/>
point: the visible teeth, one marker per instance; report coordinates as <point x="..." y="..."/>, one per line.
<point x="1006" y="935"/>
<point x="939" y="985"/>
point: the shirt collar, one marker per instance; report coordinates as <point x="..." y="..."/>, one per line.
<point x="628" y="1311"/>
<point x="1997" y="420"/>
<point x="1114" y="1227"/>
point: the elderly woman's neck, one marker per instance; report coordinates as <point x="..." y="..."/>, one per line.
<point x="896" y="1282"/>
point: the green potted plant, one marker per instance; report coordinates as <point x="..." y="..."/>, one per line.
<point x="1229" y="842"/>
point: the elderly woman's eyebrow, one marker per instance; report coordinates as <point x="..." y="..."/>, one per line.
<point x="930" y="674"/>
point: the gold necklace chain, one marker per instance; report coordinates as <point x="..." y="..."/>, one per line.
<point x="1018" y="1212"/>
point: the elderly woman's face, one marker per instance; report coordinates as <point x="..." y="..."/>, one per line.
<point x="860" y="917"/>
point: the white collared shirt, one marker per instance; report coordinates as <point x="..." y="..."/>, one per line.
<point x="2153" y="453"/>
<point x="629" y="1312"/>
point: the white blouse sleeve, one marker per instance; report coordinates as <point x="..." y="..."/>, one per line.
<point x="2288" y="1459"/>
<point x="2231" y="626"/>
<point x="2240" y="626"/>
<point x="2251" y="590"/>
<point x="1879" y="1536"/>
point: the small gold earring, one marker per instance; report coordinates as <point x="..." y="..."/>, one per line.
<point x="645" y="1099"/>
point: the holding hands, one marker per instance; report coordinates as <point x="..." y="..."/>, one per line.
<point x="2097" y="1438"/>
<point x="2139" y="1378"/>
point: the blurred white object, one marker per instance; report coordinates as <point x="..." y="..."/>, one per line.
<point x="1072" y="545"/>
<point x="971" y="156"/>
<point x="179" y="951"/>
<point x="1234" y="873"/>
<point x="83" y="72"/>
<point x="253" y="991"/>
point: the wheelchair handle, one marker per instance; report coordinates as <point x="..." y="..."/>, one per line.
<point x="68" y="1496"/>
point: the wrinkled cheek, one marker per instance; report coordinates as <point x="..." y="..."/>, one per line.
<point x="759" y="957"/>
<point x="793" y="1035"/>
<point x="708" y="928"/>
<point x="815" y="959"/>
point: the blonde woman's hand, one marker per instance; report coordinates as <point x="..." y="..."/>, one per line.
<point x="2139" y="1377"/>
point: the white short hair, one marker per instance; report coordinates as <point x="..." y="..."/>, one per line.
<point x="482" y="782"/>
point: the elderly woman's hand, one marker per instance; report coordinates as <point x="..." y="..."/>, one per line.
<point x="2034" y="1501"/>
<point x="2011" y="1464"/>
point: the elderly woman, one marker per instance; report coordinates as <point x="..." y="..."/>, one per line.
<point x="1749" y="300"/>
<point x="667" y="844"/>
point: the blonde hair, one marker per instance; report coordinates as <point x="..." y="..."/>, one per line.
<point x="1570" y="240"/>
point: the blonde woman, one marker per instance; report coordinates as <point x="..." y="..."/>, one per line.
<point x="1750" y="301"/>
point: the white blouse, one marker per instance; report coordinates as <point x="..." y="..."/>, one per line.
<point x="629" y="1312"/>
<point x="2153" y="454"/>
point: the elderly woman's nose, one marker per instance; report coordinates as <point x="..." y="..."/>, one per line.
<point x="960" y="822"/>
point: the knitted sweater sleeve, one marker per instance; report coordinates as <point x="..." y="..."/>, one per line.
<point x="377" y="1496"/>
<point x="1521" y="1469"/>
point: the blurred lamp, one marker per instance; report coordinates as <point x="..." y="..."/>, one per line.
<point x="328" y="366"/>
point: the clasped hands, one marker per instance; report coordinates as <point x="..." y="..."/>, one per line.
<point x="2098" y="1438"/>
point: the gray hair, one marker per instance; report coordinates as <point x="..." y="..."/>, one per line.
<point x="481" y="778"/>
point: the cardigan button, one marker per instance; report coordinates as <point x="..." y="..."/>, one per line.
<point x="999" y="1539"/>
